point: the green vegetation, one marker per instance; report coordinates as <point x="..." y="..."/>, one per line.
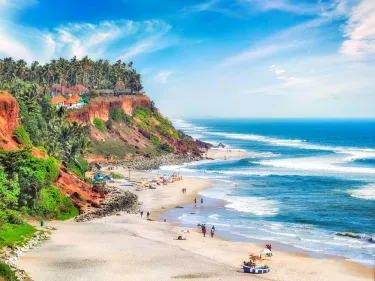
<point x="166" y="147"/>
<point x="6" y="273"/>
<point x="27" y="186"/>
<point x="22" y="136"/>
<point x="99" y="124"/>
<point x="118" y="115"/>
<point x="95" y="75"/>
<point x="117" y="175"/>
<point x="155" y="140"/>
<point x="15" y="233"/>
<point x="116" y="148"/>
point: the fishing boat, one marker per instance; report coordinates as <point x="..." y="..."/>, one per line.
<point x="255" y="270"/>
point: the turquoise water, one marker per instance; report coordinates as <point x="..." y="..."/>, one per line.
<point x="303" y="182"/>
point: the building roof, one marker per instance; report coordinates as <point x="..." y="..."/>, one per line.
<point x="73" y="100"/>
<point x="61" y="89"/>
<point x="58" y="99"/>
<point x="79" y="88"/>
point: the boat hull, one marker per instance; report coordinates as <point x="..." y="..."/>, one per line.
<point x="255" y="270"/>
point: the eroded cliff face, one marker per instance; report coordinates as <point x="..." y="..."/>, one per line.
<point x="9" y="110"/>
<point x="81" y="193"/>
<point x="100" y="108"/>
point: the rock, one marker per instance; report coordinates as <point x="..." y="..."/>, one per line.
<point x="118" y="200"/>
<point x="220" y="145"/>
<point x="356" y="236"/>
<point x="156" y="162"/>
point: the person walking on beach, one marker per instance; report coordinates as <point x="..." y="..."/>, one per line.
<point x="195" y="201"/>
<point x="141" y="214"/>
<point x="201" y="201"/>
<point x="148" y="215"/>
<point x="212" y="231"/>
<point x="204" y="231"/>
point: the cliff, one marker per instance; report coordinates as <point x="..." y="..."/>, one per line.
<point x="139" y="131"/>
<point x="81" y="193"/>
<point x="101" y="107"/>
<point x="9" y="110"/>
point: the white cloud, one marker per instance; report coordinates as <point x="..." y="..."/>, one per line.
<point x="284" y="5"/>
<point x="260" y="52"/>
<point x="360" y="31"/>
<point x="150" y="42"/>
<point x="162" y="76"/>
<point x="81" y="39"/>
<point x="276" y="70"/>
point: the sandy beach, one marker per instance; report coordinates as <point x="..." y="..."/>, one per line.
<point x="128" y="247"/>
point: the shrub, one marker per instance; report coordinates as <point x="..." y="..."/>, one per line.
<point x="117" y="114"/>
<point x="6" y="273"/>
<point x="155" y="140"/>
<point x="52" y="204"/>
<point x="22" y="136"/>
<point x="166" y="147"/>
<point x="99" y="124"/>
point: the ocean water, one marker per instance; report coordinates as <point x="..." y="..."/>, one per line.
<point x="303" y="182"/>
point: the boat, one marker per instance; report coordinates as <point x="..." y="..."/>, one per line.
<point x="255" y="270"/>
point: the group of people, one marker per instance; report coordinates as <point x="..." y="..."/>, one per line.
<point x="204" y="230"/>
<point x="184" y="191"/>
<point x="147" y="214"/>
<point x="195" y="201"/>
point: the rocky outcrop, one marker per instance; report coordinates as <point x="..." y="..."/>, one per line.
<point x="154" y="163"/>
<point x="118" y="200"/>
<point x="9" y="110"/>
<point x="100" y="107"/>
<point x="357" y="236"/>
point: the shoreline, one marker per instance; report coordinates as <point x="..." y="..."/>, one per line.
<point x="127" y="242"/>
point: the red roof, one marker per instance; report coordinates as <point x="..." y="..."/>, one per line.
<point x="73" y="100"/>
<point x="79" y="88"/>
<point x="61" y="89"/>
<point x="58" y="99"/>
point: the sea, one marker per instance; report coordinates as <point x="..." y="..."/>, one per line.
<point x="306" y="185"/>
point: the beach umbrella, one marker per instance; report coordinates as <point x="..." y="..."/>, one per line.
<point x="266" y="251"/>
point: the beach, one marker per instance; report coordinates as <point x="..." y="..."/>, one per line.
<point x="128" y="247"/>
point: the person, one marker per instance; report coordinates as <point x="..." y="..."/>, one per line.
<point x="141" y="214"/>
<point x="183" y="191"/>
<point x="195" y="201"/>
<point x="202" y="201"/>
<point x="148" y="215"/>
<point x="212" y="231"/>
<point x="204" y="231"/>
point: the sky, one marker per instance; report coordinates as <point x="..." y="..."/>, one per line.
<point x="215" y="58"/>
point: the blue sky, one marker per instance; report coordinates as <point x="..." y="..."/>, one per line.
<point x="210" y="58"/>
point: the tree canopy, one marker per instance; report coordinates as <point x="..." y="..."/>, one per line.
<point x="95" y="75"/>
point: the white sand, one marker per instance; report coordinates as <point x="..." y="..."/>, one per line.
<point x="127" y="247"/>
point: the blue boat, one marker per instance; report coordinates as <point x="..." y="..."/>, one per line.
<point x="255" y="270"/>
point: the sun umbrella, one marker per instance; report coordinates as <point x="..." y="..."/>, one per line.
<point x="266" y="251"/>
<point x="185" y="231"/>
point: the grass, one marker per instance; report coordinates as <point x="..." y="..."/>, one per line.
<point x="115" y="148"/>
<point x="99" y="124"/>
<point x="6" y="273"/>
<point x="14" y="233"/>
<point x="117" y="175"/>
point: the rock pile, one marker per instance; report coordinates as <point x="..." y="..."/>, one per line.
<point x="11" y="254"/>
<point x="156" y="162"/>
<point x="118" y="200"/>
